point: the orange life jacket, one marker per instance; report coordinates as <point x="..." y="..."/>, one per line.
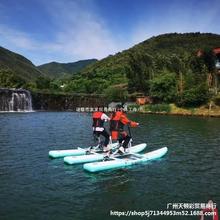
<point x="115" y="122"/>
<point x="97" y="121"/>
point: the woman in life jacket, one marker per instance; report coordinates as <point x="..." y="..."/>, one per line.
<point x="210" y="212"/>
<point x="117" y="122"/>
<point x="99" y="117"/>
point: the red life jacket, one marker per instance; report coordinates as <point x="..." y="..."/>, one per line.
<point x="97" y="121"/>
<point x="115" y="122"/>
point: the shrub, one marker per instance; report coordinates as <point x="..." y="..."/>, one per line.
<point x="217" y="100"/>
<point x="163" y="88"/>
<point x="158" y="108"/>
<point x="10" y="80"/>
<point x="195" y="96"/>
<point x="117" y="94"/>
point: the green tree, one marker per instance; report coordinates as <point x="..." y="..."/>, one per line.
<point x="139" y="71"/>
<point x="42" y="83"/>
<point x="163" y="88"/>
<point x="117" y="94"/>
<point x="55" y="85"/>
<point x="9" y="80"/>
<point x="194" y="96"/>
<point x="31" y="86"/>
<point x="209" y="59"/>
<point x="199" y="69"/>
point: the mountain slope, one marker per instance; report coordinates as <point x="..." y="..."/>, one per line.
<point x="55" y="69"/>
<point x="163" y="45"/>
<point x="18" y="65"/>
<point x="138" y="65"/>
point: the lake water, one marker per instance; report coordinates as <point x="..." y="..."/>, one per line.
<point x="33" y="186"/>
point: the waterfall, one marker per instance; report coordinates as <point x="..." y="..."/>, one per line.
<point x="15" y="100"/>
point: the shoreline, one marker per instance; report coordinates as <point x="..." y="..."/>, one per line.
<point x="166" y="109"/>
<point x="182" y="114"/>
<point x="203" y="111"/>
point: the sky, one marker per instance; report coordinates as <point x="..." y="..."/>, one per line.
<point x="71" y="30"/>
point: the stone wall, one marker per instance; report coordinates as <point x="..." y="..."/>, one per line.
<point x="61" y="102"/>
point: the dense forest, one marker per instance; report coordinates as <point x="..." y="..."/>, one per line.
<point x="16" y="66"/>
<point x="16" y="71"/>
<point x="166" y="68"/>
<point x="170" y="68"/>
<point x="59" y="70"/>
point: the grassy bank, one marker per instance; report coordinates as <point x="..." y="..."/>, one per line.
<point x="171" y="109"/>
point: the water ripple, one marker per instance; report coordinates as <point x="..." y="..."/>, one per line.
<point x="34" y="186"/>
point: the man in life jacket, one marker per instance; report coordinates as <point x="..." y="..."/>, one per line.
<point x="117" y="122"/>
<point x="99" y="117"/>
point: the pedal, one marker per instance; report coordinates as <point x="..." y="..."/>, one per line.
<point x="87" y="152"/>
<point x="106" y="158"/>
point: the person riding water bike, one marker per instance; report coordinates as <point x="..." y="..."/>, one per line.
<point x="117" y="123"/>
<point x="99" y="117"/>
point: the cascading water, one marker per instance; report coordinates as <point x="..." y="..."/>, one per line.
<point x="15" y="100"/>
